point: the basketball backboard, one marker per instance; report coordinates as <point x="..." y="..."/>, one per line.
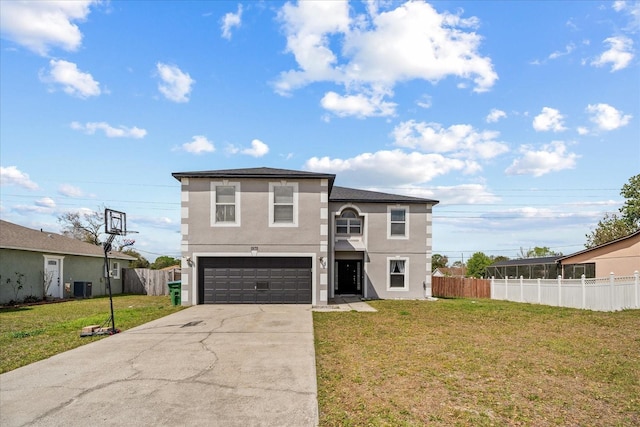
<point x="115" y="222"/>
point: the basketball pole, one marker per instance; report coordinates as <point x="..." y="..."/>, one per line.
<point x="107" y="249"/>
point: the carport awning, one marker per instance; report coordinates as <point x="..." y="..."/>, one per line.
<point x="349" y="245"/>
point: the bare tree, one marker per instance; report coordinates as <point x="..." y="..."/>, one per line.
<point x="83" y="226"/>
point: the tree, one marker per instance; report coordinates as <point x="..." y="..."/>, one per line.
<point x="612" y="226"/>
<point x="82" y="226"/>
<point x="630" y="210"/>
<point x="140" y="262"/>
<point x="609" y="228"/>
<point x="477" y="264"/>
<point x="538" y="252"/>
<point x="438" y="261"/>
<point x="164" y="261"/>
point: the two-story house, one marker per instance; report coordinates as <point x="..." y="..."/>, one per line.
<point x="264" y="235"/>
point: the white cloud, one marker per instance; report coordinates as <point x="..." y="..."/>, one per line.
<point x="495" y="115"/>
<point x="465" y="194"/>
<point x="231" y="20"/>
<point x="551" y="157"/>
<point x="175" y="85"/>
<point x="46" y="202"/>
<point x="371" y="52"/>
<point x="359" y="105"/>
<point x="567" y="50"/>
<point x="73" y="81"/>
<point x="619" y="55"/>
<point x="110" y="131"/>
<point x="632" y="9"/>
<point x="258" y="149"/>
<point x="200" y="144"/>
<point x="391" y="167"/>
<point x="463" y="140"/>
<point x="41" y="25"/>
<point x="70" y="191"/>
<point x="424" y="102"/>
<point x="11" y="175"/>
<point x="549" y="119"/>
<point x="607" y="117"/>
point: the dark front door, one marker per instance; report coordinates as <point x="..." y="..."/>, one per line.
<point x="349" y="277"/>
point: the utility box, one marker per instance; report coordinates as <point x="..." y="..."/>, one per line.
<point x="82" y="289"/>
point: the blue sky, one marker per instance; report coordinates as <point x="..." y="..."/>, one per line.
<point x="521" y="118"/>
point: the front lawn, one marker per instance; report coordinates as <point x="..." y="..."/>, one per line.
<point x="36" y="332"/>
<point x="477" y="362"/>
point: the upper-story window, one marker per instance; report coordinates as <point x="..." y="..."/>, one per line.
<point x="398" y="224"/>
<point x="225" y="204"/>
<point x="349" y="223"/>
<point x="283" y="204"/>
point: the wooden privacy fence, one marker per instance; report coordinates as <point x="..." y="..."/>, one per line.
<point x="461" y="287"/>
<point x="146" y="282"/>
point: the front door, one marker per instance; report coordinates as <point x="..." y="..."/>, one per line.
<point x="349" y="277"/>
<point x="51" y="278"/>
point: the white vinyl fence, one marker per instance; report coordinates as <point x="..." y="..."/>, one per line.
<point x="602" y="294"/>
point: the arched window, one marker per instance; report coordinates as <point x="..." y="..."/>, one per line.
<point x="349" y="223"/>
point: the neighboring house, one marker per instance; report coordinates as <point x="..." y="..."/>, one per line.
<point x="264" y="235"/>
<point x="621" y="257"/>
<point x="449" y="272"/>
<point x="53" y="265"/>
<point x="528" y="268"/>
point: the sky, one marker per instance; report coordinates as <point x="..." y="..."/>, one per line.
<point x="522" y="118"/>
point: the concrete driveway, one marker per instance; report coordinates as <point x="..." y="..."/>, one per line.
<point x="208" y="365"/>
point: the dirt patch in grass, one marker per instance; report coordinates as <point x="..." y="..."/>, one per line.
<point x="36" y="332"/>
<point x="482" y="362"/>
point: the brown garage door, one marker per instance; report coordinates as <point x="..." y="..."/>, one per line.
<point x="254" y="280"/>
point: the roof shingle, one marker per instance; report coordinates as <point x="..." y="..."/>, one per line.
<point x="14" y="236"/>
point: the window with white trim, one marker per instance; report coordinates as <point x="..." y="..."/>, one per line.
<point x="283" y="204"/>
<point x="398" y="274"/>
<point x="225" y="204"/>
<point x="349" y="223"/>
<point x="398" y="222"/>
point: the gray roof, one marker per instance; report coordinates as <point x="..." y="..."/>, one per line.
<point x="14" y="236"/>
<point x="336" y="193"/>
<point x="262" y="172"/>
<point x="344" y="194"/>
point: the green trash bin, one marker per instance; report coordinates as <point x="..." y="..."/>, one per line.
<point x="175" y="292"/>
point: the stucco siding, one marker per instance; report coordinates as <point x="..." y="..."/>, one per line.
<point x="253" y="235"/>
<point x="380" y="248"/>
<point x="621" y="258"/>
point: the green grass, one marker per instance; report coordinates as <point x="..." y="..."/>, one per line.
<point x="36" y="332"/>
<point x="461" y="362"/>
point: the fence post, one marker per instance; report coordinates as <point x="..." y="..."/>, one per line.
<point x="611" y="281"/>
<point x="583" y="282"/>
<point x="492" y="284"/>
<point x="506" y="287"/>
<point x="636" y="275"/>
<point x="539" y="291"/>
<point x="521" y="288"/>
<point x="559" y="290"/>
